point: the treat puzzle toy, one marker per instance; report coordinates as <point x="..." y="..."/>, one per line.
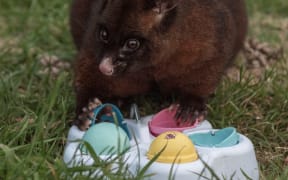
<point x="188" y="151"/>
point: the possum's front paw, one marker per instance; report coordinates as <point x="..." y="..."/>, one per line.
<point x="83" y="120"/>
<point x="191" y="110"/>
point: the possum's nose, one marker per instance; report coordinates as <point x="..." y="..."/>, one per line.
<point x="106" y="66"/>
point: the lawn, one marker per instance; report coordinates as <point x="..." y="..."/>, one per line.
<point x="37" y="99"/>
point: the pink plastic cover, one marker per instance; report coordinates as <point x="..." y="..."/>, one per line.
<point x="164" y="121"/>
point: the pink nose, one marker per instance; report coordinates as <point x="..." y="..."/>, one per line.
<point x="106" y="66"/>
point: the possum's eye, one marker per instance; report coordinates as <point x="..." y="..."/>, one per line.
<point x="103" y="34"/>
<point x="132" y="44"/>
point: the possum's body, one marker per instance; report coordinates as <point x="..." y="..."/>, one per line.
<point x="180" y="46"/>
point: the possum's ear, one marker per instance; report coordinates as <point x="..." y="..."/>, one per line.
<point x="159" y="15"/>
<point x="163" y="6"/>
<point x="160" y="6"/>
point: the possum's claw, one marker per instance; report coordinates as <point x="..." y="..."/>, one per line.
<point x="173" y="107"/>
<point x="83" y="121"/>
<point x="191" y="113"/>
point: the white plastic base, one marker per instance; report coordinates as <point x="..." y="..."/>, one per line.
<point x="72" y="155"/>
<point x="234" y="162"/>
<point x="140" y="130"/>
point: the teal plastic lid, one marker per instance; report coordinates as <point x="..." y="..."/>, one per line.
<point x="106" y="139"/>
<point x="216" y="138"/>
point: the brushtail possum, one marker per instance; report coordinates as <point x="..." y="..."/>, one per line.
<point x="129" y="47"/>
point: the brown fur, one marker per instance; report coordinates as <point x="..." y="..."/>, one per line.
<point x="187" y="56"/>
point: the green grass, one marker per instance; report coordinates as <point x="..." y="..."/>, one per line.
<point x="35" y="108"/>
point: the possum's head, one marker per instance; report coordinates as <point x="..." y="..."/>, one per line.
<point x="123" y="32"/>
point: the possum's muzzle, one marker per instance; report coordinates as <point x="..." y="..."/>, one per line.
<point x="109" y="67"/>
